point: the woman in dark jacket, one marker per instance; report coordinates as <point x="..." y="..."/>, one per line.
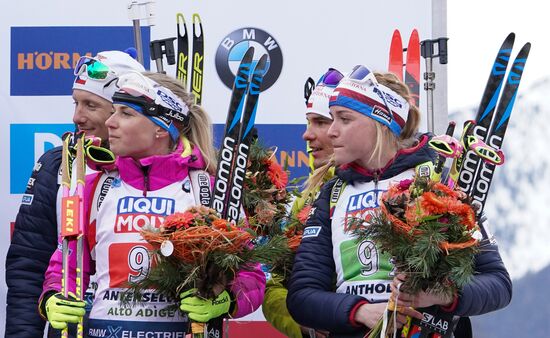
<point x="341" y="285"/>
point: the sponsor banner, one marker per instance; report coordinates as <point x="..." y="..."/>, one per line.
<point x="286" y="139"/>
<point x="27" y="143"/>
<point x="47" y="55"/>
<point x="142" y="328"/>
<point x="232" y="48"/>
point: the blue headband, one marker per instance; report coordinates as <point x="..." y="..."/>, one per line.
<point x="161" y="121"/>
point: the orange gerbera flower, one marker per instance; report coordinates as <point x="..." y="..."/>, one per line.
<point x="445" y="189"/>
<point x="303" y="214"/>
<point x="178" y="220"/>
<point x="221" y="224"/>
<point x="276" y="174"/>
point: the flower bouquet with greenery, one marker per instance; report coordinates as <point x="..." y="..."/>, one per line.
<point x="196" y="249"/>
<point x="430" y="230"/>
<point x="266" y="198"/>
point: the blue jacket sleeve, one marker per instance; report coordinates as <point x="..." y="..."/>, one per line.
<point x="33" y="242"/>
<point x="490" y="288"/>
<point x="311" y="299"/>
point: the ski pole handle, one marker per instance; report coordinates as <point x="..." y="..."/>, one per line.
<point x="163" y="47"/>
<point x="440" y="162"/>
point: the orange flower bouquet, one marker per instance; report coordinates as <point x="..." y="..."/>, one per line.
<point x="198" y="249"/>
<point x="430" y="230"/>
<point x="266" y="198"/>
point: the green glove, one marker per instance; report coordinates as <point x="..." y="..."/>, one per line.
<point x="202" y="310"/>
<point x="61" y="310"/>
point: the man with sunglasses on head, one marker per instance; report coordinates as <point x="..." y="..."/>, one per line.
<point x="37" y="224"/>
<point x="320" y="152"/>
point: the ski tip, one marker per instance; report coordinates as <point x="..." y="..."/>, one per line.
<point x="180" y="18"/>
<point x="196" y="18"/>
<point x="509" y="41"/>
<point x="262" y="65"/>
<point x="415" y="33"/>
<point x="248" y="55"/>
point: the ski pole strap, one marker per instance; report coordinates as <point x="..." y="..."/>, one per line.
<point x="484" y="151"/>
<point x="446" y="146"/>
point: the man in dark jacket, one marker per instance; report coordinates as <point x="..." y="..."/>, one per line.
<point x="37" y="224"/>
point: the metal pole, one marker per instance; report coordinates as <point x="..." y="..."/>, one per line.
<point x="135" y="14"/>
<point x="429" y="76"/>
<point x="137" y="41"/>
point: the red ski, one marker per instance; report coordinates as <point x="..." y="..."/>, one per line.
<point x="396" y="55"/>
<point x="412" y="65"/>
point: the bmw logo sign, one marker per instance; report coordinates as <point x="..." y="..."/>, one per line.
<point x="232" y="48"/>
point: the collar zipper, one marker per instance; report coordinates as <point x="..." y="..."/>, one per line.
<point x="145" y="171"/>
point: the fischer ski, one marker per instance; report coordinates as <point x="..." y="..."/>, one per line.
<point x="183" y="50"/>
<point x="197" y="64"/>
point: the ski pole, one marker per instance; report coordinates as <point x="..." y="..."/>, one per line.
<point x="134" y="13"/>
<point x="80" y="181"/>
<point x="440" y="161"/>
<point x="65" y="186"/>
<point x="456" y="167"/>
<point x="427" y="52"/>
<point x="70" y="217"/>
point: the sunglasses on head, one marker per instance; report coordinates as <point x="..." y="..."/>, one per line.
<point x="362" y="74"/>
<point x="137" y="89"/>
<point x="95" y="69"/>
<point x="331" y="78"/>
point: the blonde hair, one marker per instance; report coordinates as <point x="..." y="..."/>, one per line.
<point x="384" y="135"/>
<point x="199" y="128"/>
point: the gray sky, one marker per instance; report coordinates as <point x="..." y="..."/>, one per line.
<point x="476" y="29"/>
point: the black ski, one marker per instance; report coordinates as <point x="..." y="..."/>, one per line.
<point x="183" y="50"/>
<point x="486" y="170"/>
<point x="245" y="139"/>
<point x="224" y="174"/>
<point x="475" y="175"/>
<point x="197" y="64"/>
<point x="197" y="69"/>
<point x="470" y="162"/>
